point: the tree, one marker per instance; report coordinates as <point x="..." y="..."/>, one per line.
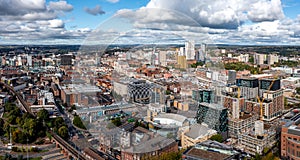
<point x="251" y="59"/>
<point x="1" y="128"/>
<point x="18" y="136"/>
<point x="78" y="123"/>
<point x="298" y="90"/>
<point x="217" y="137"/>
<point x="43" y="115"/>
<point x="63" y="132"/>
<point x="117" y="121"/>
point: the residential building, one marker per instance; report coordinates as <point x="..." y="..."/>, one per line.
<point x="190" y="50"/>
<point x="162" y="57"/>
<point x="259" y="59"/>
<point x="272" y="59"/>
<point x="249" y="87"/>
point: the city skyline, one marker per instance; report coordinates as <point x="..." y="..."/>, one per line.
<point x="255" y="22"/>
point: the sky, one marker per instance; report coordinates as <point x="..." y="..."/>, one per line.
<point x="245" y="22"/>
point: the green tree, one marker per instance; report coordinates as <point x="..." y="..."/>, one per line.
<point x="18" y="136"/>
<point x="63" y="132"/>
<point x="251" y="59"/>
<point x="2" y="127"/>
<point x="117" y="121"/>
<point x="43" y="115"/>
<point x="217" y="137"/>
<point x="78" y="123"/>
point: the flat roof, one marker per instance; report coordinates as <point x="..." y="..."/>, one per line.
<point x="207" y="155"/>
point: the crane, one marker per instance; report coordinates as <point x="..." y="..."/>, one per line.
<point x="263" y="98"/>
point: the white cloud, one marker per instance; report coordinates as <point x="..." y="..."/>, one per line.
<point x="231" y="21"/>
<point x="56" y="23"/>
<point x="60" y="6"/>
<point x="265" y="10"/>
<point x="34" y="21"/>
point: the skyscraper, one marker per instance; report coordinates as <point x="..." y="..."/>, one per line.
<point x="190" y="50"/>
<point x="162" y="58"/>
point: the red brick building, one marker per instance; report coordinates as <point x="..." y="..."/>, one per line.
<point x="290" y="142"/>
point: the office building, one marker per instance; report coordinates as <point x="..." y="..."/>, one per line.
<point x="139" y="91"/>
<point x="290" y="137"/>
<point x="196" y="133"/>
<point x="203" y="95"/>
<point x="214" y="115"/>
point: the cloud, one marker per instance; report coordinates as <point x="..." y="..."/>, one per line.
<point x="265" y="10"/>
<point x="218" y="21"/>
<point x="56" y="23"/>
<point x="19" y="7"/>
<point x="112" y="1"/>
<point x="35" y="21"/>
<point x="60" y="6"/>
<point x="94" y="11"/>
<point x="217" y="14"/>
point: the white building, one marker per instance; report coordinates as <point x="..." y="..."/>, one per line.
<point x="259" y="59"/>
<point x="273" y="58"/>
<point x="162" y="58"/>
<point x="190" y="50"/>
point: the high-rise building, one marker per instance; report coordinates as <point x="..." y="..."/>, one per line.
<point x="272" y="59"/>
<point x="231" y="77"/>
<point x="249" y="87"/>
<point x="243" y="58"/>
<point x="259" y="59"/>
<point x="234" y="105"/>
<point x="190" y="50"/>
<point x="162" y="58"/>
<point x="214" y="115"/>
<point x="182" y="62"/>
<point x="203" y="95"/>
<point x="269" y="84"/>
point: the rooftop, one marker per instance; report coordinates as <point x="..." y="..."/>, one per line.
<point x="205" y="154"/>
<point x="212" y="105"/>
<point x="177" y="117"/>
<point x="197" y="130"/>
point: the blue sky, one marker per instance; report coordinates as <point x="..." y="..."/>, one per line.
<point x="267" y="22"/>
